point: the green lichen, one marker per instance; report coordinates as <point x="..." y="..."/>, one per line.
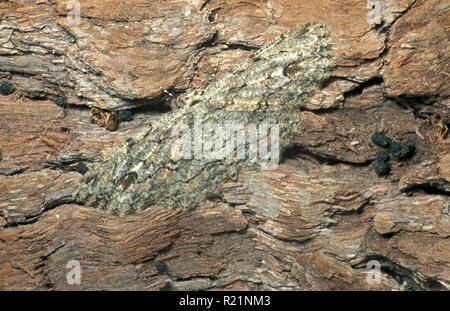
<point x="162" y="267"/>
<point x="7" y="88"/>
<point x="125" y="115"/>
<point x="61" y="102"/>
<point x="402" y="151"/>
<point x="81" y="168"/>
<point x="407" y="149"/>
<point x="397" y="150"/>
<point x="381" y="140"/>
<point x="382" y="156"/>
<point x="382" y="168"/>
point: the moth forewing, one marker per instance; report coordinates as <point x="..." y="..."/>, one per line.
<point x="182" y="159"/>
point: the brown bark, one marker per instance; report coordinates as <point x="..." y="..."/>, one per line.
<point x="311" y="224"/>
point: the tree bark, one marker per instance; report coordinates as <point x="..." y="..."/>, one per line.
<point x="316" y="222"/>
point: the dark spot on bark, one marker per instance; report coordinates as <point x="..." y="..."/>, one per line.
<point x="125" y="115"/>
<point x="61" y="102"/>
<point x="402" y="151"/>
<point x="7" y="88"/>
<point x="382" y="156"/>
<point x="81" y="168"/>
<point x="162" y="267"/>
<point x="382" y="168"/>
<point x="128" y="180"/>
<point x="381" y="140"/>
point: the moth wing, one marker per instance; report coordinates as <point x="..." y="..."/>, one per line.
<point x="283" y="73"/>
<point x="109" y="184"/>
<point x="265" y="87"/>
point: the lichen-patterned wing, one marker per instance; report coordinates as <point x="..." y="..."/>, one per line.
<point x="282" y="74"/>
<point x="265" y="89"/>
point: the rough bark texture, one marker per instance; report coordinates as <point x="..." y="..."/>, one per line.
<point x="311" y="224"/>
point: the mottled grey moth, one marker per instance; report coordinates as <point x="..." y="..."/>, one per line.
<point x="179" y="161"/>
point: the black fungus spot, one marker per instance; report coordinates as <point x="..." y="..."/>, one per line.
<point x="7" y="88"/>
<point x="162" y="267"/>
<point x="381" y="140"/>
<point x="400" y="151"/>
<point x="61" y="102"/>
<point x="382" y="168"/>
<point x="125" y="115"/>
<point x="81" y="168"/>
<point x="382" y="156"/>
<point x="64" y="129"/>
<point x="407" y="149"/>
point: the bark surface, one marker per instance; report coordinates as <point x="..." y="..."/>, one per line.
<point x="312" y="224"/>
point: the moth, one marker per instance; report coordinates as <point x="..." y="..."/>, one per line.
<point x="243" y="120"/>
